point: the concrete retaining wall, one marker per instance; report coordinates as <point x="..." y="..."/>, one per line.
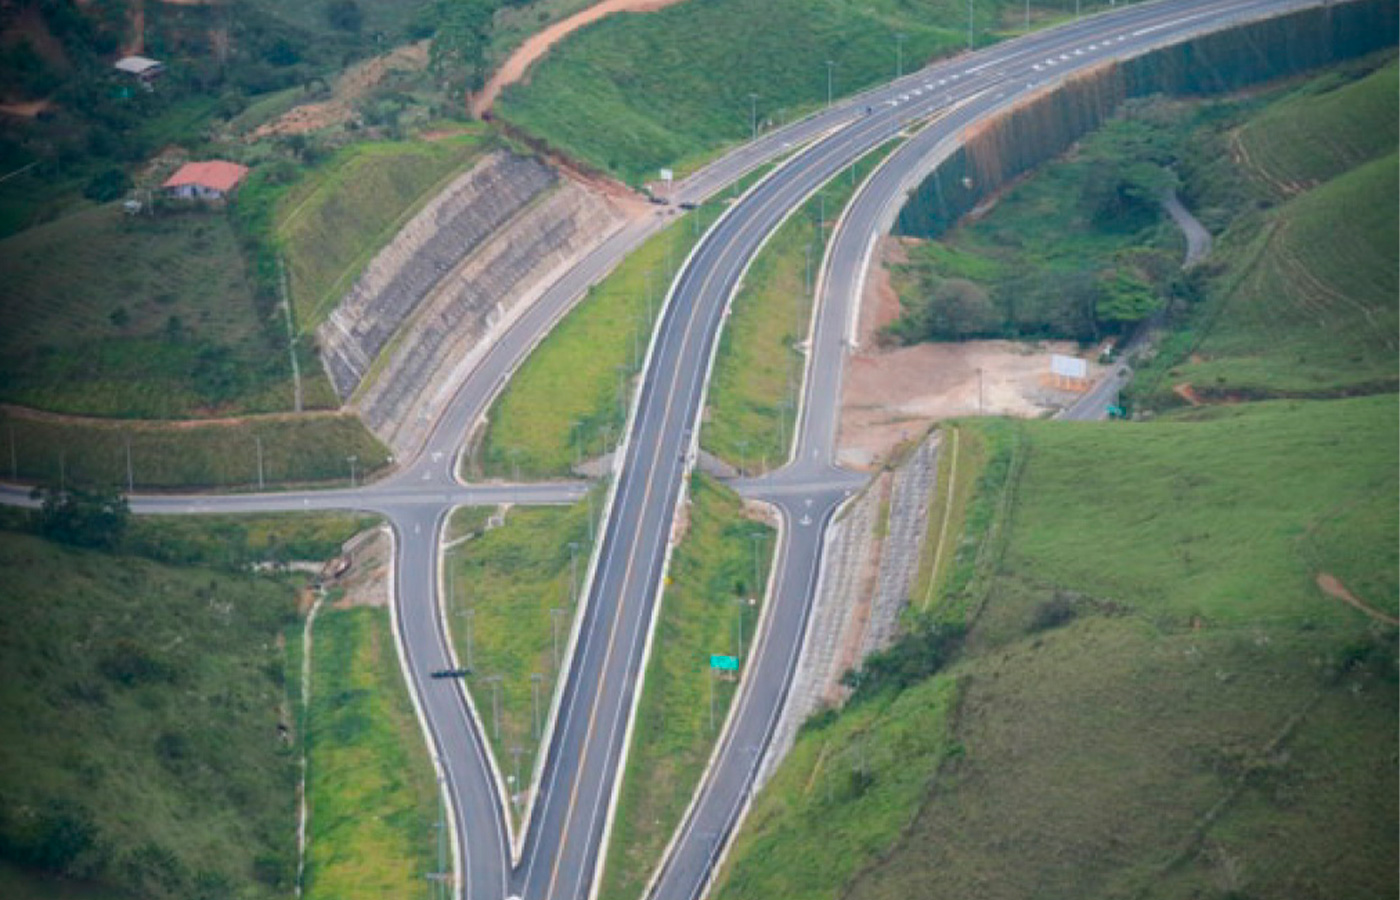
<point x="436" y="240"/>
<point x="473" y="303"/>
<point x="857" y="609"/>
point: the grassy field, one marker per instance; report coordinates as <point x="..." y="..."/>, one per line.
<point x="1329" y="125"/>
<point x="1318" y="259"/>
<point x="332" y="222"/>
<point x="1324" y="263"/>
<point x="295" y="449"/>
<point x="1159" y="700"/>
<point x="565" y="404"/>
<point x="373" y="795"/>
<point x="107" y="314"/>
<point x="752" y="402"/>
<point x="713" y="569"/>
<point x="141" y="705"/>
<point x="632" y="93"/>
<point x="503" y="585"/>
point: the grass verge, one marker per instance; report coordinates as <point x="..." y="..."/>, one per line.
<point x="372" y="793"/>
<point x="567" y="402"/>
<point x="759" y="366"/>
<point x="716" y="568"/>
<point x="511" y="604"/>
<point x="294" y="449"/>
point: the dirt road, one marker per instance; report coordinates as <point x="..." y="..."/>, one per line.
<point x="538" y="45"/>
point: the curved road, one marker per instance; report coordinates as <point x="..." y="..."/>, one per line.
<point x="566" y="834"/>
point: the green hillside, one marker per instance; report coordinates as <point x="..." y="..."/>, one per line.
<point x="1156" y="693"/>
<point x="636" y="92"/>
<point x="108" y="314"/>
<point x="1330" y="125"/>
<point x="1305" y="306"/>
<point x="335" y="219"/>
<point x="140" y="706"/>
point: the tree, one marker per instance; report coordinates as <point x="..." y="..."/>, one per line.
<point x="345" y="15"/>
<point x="83" y="518"/>
<point x="462" y="36"/>
<point x="1126" y="299"/>
<point x="960" y="309"/>
<point x="107" y="186"/>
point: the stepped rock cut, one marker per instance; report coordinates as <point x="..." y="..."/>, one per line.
<point x="397" y="280"/>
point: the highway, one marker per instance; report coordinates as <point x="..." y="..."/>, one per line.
<point x="558" y="855"/>
<point x="810" y="488"/>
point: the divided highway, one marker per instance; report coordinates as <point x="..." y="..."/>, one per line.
<point x="560" y="854"/>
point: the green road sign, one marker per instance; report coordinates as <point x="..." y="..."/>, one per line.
<point x="728" y="663"/>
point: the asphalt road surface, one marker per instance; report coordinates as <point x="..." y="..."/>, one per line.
<point x="565" y="838"/>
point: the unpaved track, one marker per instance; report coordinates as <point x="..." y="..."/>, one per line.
<point x="538" y="45"/>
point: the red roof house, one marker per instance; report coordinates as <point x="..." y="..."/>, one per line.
<point x="212" y="180"/>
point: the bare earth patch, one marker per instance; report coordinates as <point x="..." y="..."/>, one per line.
<point x="1332" y="586"/>
<point x="513" y="69"/>
<point x="353" y="84"/>
<point x="892" y="395"/>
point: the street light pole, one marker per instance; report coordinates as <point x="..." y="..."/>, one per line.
<point x="573" y="572"/>
<point x="469" y="615"/>
<point x="495" y="682"/>
<point x="753" y="114"/>
<point x="829" y="65"/>
<point x="969" y="24"/>
<point x="352" y="459"/>
<point x="257" y="438"/>
<point x="535" y="680"/>
<point x="899" y="53"/>
<point x="554" y="614"/>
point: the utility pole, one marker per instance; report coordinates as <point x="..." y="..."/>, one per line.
<point x="535" y="680"/>
<point x="573" y="572"/>
<point x="622" y="391"/>
<point x="258" y="440"/>
<point x="739" y="625"/>
<point x="495" y="682"/>
<point x="469" y="614"/>
<point x="515" y="751"/>
<point x="554" y="614"/>
<point x="712" y="699"/>
<point x="757" y="538"/>
<point x="829" y="65"/>
<point x="753" y="114"/>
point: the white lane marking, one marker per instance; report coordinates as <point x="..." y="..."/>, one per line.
<point x="1037" y="67"/>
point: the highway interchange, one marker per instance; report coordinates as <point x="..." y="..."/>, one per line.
<point x="557" y="854"/>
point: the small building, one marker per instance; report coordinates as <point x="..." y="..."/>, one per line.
<point x="1069" y="373"/>
<point x="142" y="68"/>
<point x="211" y="180"/>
